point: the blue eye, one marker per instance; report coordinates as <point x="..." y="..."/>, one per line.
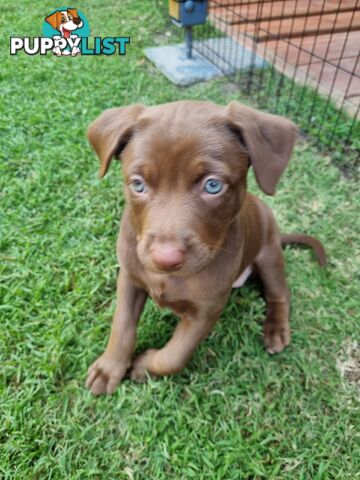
<point x="138" y="185"/>
<point x="213" y="186"/>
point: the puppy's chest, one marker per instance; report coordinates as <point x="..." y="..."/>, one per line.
<point x="174" y="294"/>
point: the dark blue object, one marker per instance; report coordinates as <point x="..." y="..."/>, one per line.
<point x="192" y="12"/>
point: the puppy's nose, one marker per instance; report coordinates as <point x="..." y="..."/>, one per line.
<point x="167" y="256"/>
<point x="77" y="20"/>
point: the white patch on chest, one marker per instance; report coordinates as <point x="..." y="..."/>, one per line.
<point x="239" y="282"/>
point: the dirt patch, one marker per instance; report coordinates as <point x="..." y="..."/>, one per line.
<point x="349" y="362"/>
<point x="230" y="88"/>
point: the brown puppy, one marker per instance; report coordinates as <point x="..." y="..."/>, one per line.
<point x="190" y="230"/>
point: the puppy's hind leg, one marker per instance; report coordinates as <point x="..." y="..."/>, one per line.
<point x="271" y="268"/>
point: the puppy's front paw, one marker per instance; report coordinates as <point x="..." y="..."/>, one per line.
<point x="105" y="374"/>
<point x="75" y="51"/>
<point x="142" y="364"/>
<point x="276" y="337"/>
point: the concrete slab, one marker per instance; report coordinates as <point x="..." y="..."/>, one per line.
<point x="212" y="58"/>
<point x="228" y="55"/>
<point x="172" y="62"/>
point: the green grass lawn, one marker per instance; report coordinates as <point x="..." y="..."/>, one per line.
<point x="234" y="412"/>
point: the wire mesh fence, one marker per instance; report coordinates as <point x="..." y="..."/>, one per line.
<point x="298" y="58"/>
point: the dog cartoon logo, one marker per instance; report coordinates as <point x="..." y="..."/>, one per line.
<point x="67" y="21"/>
<point x="66" y="31"/>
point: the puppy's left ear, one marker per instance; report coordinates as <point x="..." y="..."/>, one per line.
<point x="269" y="140"/>
<point x="110" y="133"/>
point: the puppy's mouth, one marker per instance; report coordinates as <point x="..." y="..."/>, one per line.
<point x="66" y="32"/>
<point x="175" y="270"/>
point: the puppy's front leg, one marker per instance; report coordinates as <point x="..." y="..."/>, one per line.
<point x="170" y="359"/>
<point x="110" y="368"/>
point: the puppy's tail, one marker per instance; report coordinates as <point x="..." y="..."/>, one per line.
<point x="308" y="240"/>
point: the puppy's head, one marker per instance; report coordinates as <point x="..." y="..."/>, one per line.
<point x="65" y="21"/>
<point x="185" y="167"/>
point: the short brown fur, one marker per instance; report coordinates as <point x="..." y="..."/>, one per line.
<point x="173" y="149"/>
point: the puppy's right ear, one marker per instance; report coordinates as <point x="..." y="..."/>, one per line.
<point x="109" y="133"/>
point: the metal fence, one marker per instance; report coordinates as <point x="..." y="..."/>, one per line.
<point x="298" y="58"/>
